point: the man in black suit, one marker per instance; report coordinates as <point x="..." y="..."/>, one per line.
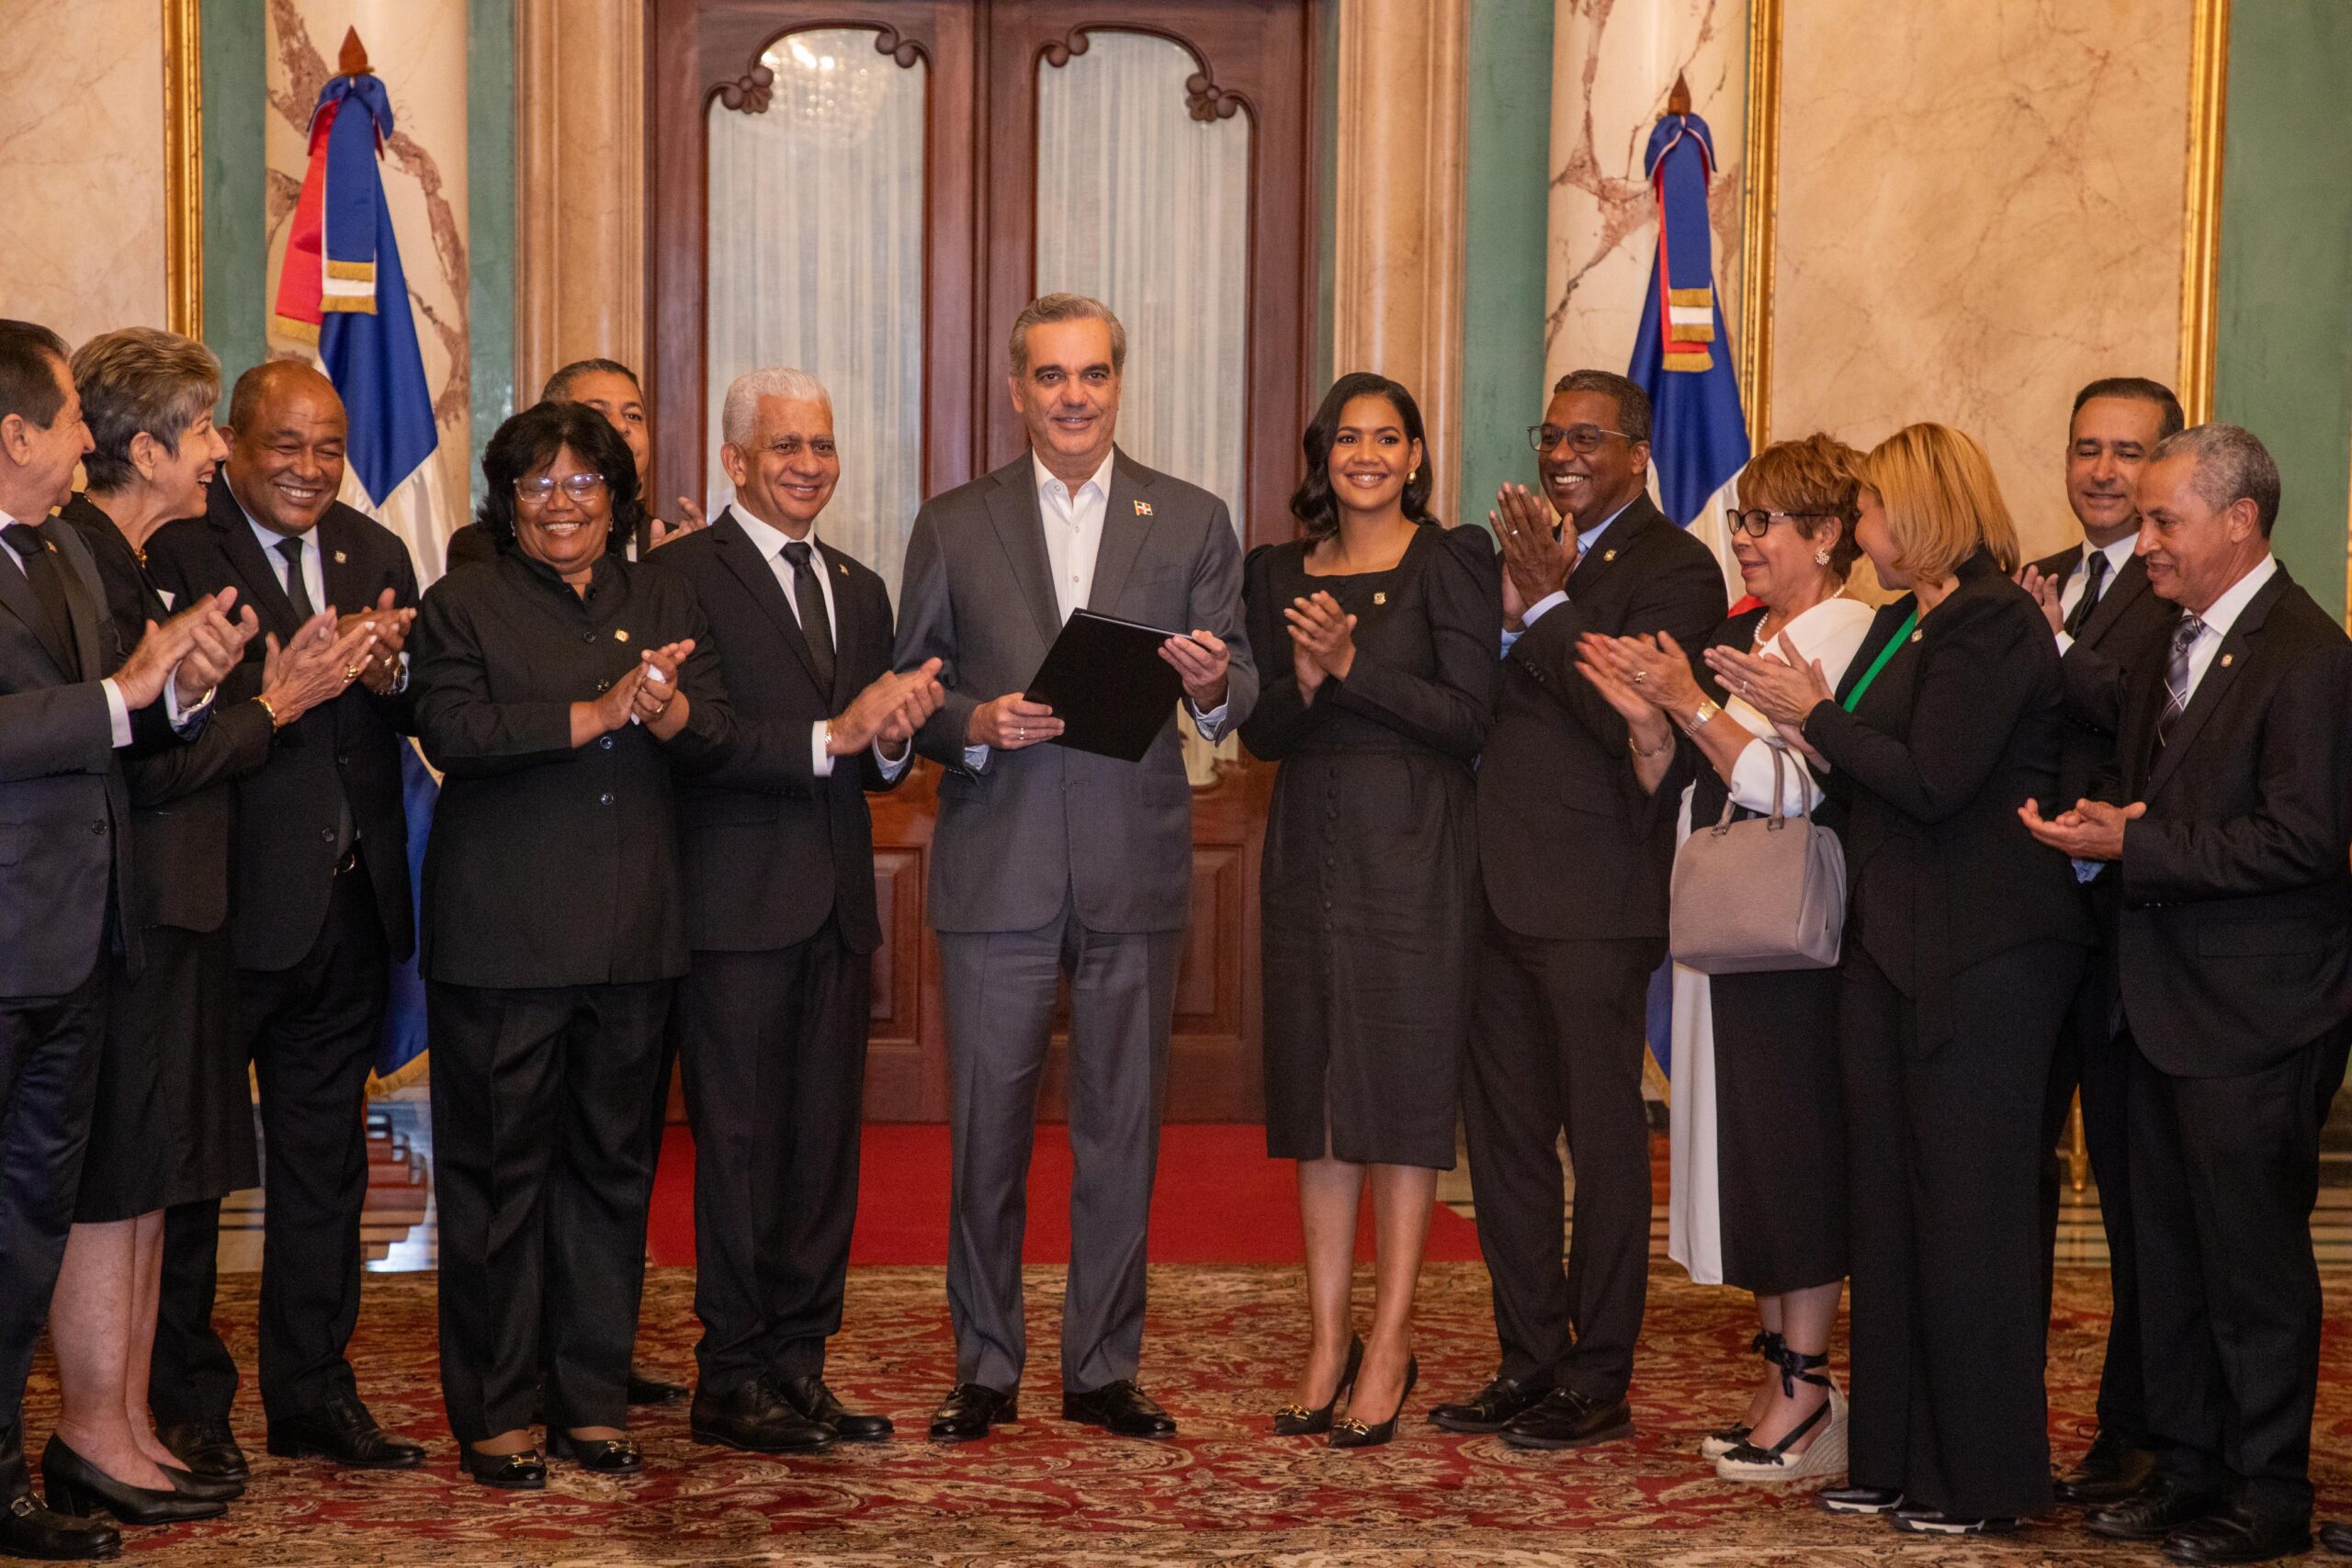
<point x="1557" y="1039"/>
<point x="2232" y="949"/>
<point x="2095" y="596"/>
<point x="64" y="854"/>
<point x="779" y="853"/>
<point x="320" y="891"/>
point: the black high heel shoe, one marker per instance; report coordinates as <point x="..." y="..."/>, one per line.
<point x="203" y="1488"/>
<point x="522" y="1470"/>
<point x="1723" y="1440"/>
<point x="73" y="1485"/>
<point x="604" y="1456"/>
<point x="1354" y="1434"/>
<point x="1298" y="1421"/>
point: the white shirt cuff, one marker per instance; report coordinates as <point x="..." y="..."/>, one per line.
<point x="1543" y="606"/>
<point x="976" y="758"/>
<point x="821" y="761"/>
<point x="2086" y="868"/>
<point x="893" y="767"/>
<point x="118" y="710"/>
<point x="1212" y="723"/>
<point x="2064" y="642"/>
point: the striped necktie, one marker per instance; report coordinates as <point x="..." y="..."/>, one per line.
<point x="2176" y="684"/>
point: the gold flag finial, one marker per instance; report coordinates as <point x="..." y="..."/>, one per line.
<point x="353" y="59"/>
<point x="1679" y="100"/>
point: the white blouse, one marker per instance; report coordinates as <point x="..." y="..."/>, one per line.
<point x="1827" y="635"/>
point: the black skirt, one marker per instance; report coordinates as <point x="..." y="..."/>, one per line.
<point x="1779" y="1129"/>
<point x="174" y="1121"/>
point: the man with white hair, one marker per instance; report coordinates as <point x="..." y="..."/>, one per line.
<point x="778" y="854"/>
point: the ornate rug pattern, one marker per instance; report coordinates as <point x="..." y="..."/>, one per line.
<point x="1221" y="1347"/>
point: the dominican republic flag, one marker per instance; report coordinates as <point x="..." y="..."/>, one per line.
<point x="342" y="289"/>
<point x="1682" y="358"/>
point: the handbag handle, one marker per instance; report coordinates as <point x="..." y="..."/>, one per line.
<point x="1779" y="813"/>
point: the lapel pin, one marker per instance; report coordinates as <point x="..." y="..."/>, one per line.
<point x="341" y="560"/>
<point x="844" y="568"/>
<point x="620" y="633"/>
<point x="2225" y="659"/>
<point x="1143" y="509"/>
<point x="1381" y="598"/>
<point x="1608" y="556"/>
<point x="1918" y="635"/>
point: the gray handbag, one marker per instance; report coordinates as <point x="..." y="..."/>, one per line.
<point x="1763" y="893"/>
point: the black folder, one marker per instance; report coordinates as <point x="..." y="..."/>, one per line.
<point x="1105" y="680"/>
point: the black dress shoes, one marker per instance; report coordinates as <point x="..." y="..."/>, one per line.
<point x="2153" y="1512"/>
<point x="603" y="1456"/>
<point x="1859" y="1500"/>
<point x="2233" y="1535"/>
<point x="2110" y="1470"/>
<point x="1935" y="1521"/>
<point x="27" y="1529"/>
<point x="2336" y="1537"/>
<point x="1491" y="1408"/>
<point x="1566" y="1419"/>
<point x="342" y="1430"/>
<point x="74" y="1486"/>
<point x="753" y="1416"/>
<point x="207" y="1449"/>
<point x="523" y="1471"/>
<point x="644" y="1388"/>
<point x="969" y="1410"/>
<point x="187" y="1483"/>
<point x="817" y="1402"/>
<point x="1120" y="1408"/>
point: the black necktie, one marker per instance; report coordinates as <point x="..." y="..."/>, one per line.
<point x="297" y="588"/>
<point x="808" y="597"/>
<point x="48" y="581"/>
<point x="2095" y="579"/>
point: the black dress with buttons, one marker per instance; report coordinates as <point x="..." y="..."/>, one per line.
<point x="554" y="930"/>
<point x="1369" y="893"/>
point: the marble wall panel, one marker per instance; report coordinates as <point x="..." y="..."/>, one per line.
<point x="418" y="48"/>
<point x="1980" y="209"/>
<point x="82" y="146"/>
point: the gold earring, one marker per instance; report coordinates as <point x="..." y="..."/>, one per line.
<point x="1411" y="477"/>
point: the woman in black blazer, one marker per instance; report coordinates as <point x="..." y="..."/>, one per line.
<point x="557" y="687"/>
<point x="1965" y="938"/>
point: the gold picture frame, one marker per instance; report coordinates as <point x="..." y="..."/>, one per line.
<point x="1760" y="168"/>
<point x="184" y="167"/>
<point x="2201" y="229"/>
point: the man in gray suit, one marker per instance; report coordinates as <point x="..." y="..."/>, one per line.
<point x="1049" y="860"/>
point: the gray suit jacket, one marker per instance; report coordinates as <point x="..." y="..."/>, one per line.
<point x="1031" y="825"/>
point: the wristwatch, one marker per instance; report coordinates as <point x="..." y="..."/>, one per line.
<point x="1708" y="707"/>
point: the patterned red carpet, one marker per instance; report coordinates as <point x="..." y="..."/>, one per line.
<point x="1221" y="1344"/>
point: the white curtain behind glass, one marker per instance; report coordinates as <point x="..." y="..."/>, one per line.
<point x="1148" y="209"/>
<point x="816" y="236"/>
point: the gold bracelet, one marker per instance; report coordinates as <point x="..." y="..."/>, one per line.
<point x="1667" y="745"/>
<point x="267" y="709"/>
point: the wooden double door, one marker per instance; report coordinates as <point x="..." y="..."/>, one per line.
<point x="982" y="64"/>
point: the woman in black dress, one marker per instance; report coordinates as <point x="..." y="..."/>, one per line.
<point x="557" y="687"/>
<point x="173" y="1121"/>
<point x="1965" y="938"/>
<point x="1369" y="892"/>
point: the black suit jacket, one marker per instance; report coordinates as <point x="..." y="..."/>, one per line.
<point x="283" y="874"/>
<point x="64" y="808"/>
<point x="770" y="849"/>
<point x="1960" y="728"/>
<point x="2093" y="667"/>
<point x="2234" y="946"/>
<point x="1558" y="808"/>
<point x="182" y="803"/>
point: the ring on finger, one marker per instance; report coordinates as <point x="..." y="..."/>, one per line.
<point x="351" y="671"/>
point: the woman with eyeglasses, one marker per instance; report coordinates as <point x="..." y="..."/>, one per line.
<point x="1965" y="939"/>
<point x="1756" y="1127"/>
<point x="558" y="687"/>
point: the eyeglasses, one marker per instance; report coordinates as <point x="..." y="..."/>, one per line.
<point x="1756" y="522"/>
<point x="1582" y="439"/>
<point x="540" y="491"/>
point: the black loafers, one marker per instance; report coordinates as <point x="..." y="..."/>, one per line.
<point x="968" y="1411"/>
<point x="1566" y="1419"/>
<point x="27" y="1529"/>
<point x="603" y="1456"/>
<point x="207" y="1449"/>
<point x="815" y="1401"/>
<point x="754" y="1417"/>
<point x="1491" y="1408"/>
<point x="2233" y="1535"/>
<point x="2110" y="1470"/>
<point x="2153" y="1512"/>
<point x="342" y="1430"/>
<point x="521" y="1472"/>
<point x="1120" y="1408"/>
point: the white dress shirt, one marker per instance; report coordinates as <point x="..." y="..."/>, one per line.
<point x="314" y="576"/>
<point x="2078" y="581"/>
<point x="770" y="541"/>
<point x="117" y="706"/>
<point x="1586" y="539"/>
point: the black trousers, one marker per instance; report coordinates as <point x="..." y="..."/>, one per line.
<point x="49" y="1082"/>
<point x="1948" y="1329"/>
<point x="775" y="1052"/>
<point x="313" y="1032"/>
<point x="543" y="1169"/>
<point x="1556" y="1043"/>
<point x="2093" y="1057"/>
<point x="2224" y="1174"/>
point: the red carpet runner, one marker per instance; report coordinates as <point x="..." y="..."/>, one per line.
<point x="1218" y="1199"/>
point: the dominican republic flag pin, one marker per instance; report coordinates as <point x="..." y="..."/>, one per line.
<point x="342" y="559"/>
<point x="1143" y="509"/>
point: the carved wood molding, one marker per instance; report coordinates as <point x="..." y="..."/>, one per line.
<point x="1059" y="53"/>
<point x="748" y="94"/>
<point x="1206" y="99"/>
<point x="1203" y="99"/>
<point x="905" y="50"/>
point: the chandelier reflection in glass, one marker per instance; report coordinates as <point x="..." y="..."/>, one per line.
<point x="829" y="81"/>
